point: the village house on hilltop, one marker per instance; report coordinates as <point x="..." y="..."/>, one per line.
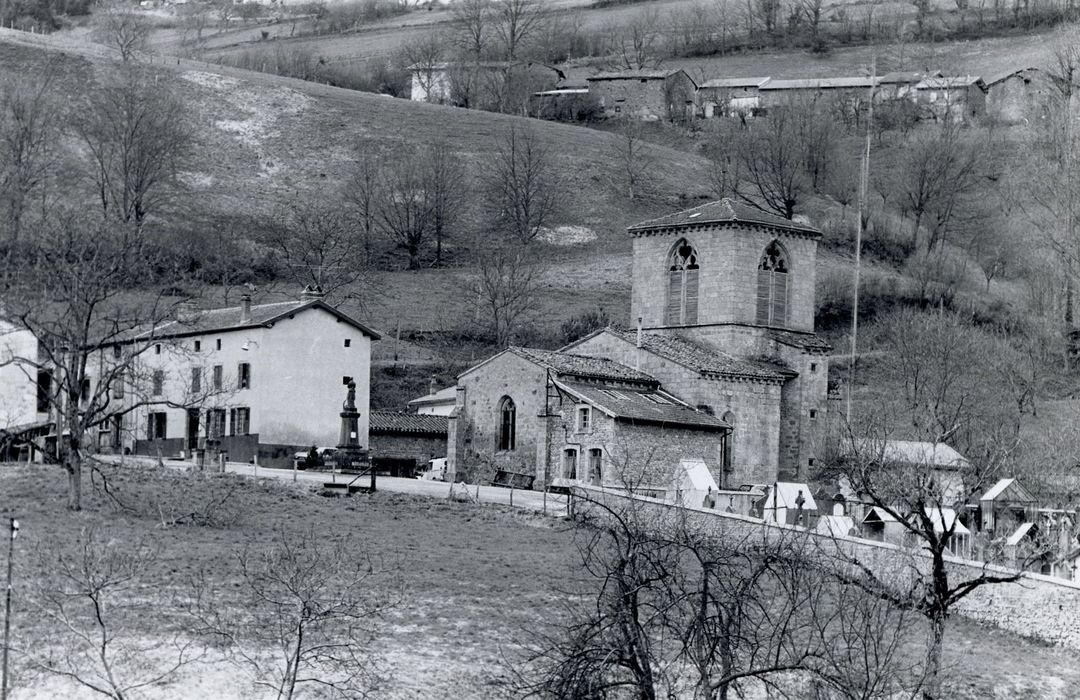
<point x="726" y="346"/>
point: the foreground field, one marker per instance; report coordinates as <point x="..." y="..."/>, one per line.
<point x="476" y="581"/>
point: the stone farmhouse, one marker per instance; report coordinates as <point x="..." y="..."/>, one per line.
<point x="645" y="94"/>
<point x="730" y="97"/>
<point x="256" y="381"/>
<point x="847" y="91"/>
<point x="952" y="98"/>
<point x="725" y="359"/>
<point x="401" y="442"/>
<point x="1017" y="96"/>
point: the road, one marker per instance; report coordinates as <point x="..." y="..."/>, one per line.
<point x="531" y="500"/>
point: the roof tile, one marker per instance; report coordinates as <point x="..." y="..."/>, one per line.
<point x="582" y="366"/>
<point x="723" y="211"/>
<point x="402" y="422"/>
<point x="703" y="359"/>
<point x="645" y="406"/>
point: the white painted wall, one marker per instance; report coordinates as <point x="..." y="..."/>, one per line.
<point x="18" y="384"/>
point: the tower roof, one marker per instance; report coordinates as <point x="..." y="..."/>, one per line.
<point x="723" y="211"/>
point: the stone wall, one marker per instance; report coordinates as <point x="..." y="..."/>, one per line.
<point x="417" y="447"/>
<point x="1035" y="606"/>
<point x="727" y="287"/>
<point x="631" y="98"/>
<point x="755" y="405"/>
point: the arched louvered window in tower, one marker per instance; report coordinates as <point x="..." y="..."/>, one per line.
<point x="683" y="272"/>
<point x="772" y="286"/>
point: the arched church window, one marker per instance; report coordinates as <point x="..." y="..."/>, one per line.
<point x="682" y="301"/>
<point x="772" y="286"/>
<point x="507" y="423"/>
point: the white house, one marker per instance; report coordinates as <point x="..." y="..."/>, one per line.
<point x="19" y="404"/>
<point x="255" y="381"/>
<point x="437" y="402"/>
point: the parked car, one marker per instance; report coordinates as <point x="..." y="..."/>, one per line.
<point x="435" y="470"/>
<point x="325" y="454"/>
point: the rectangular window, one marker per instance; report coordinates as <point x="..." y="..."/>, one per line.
<point x="157" y="425"/>
<point x="84" y="391"/>
<point x="198" y="345"/>
<point x="813" y="413"/>
<point x="118" y="385"/>
<point x="44" y="390"/>
<point x="219" y="373"/>
<point x="157" y="349"/>
<point x="196" y="380"/>
<point x="158" y="383"/>
<point x="813" y="367"/>
<point x="348" y="342"/>
<point x="215" y="423"/>
<point x="239" y="421"/>
<point x="584" y="419"/>
<point x="218" y="343"/>
<point x="570" y="464"/>
<point x="117" y="353"/>
<point x="596" y="473"/>
<point x="243" y="376"/>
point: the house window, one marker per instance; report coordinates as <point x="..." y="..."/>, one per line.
<point x="219" y="372"/>
<point x="215" y="423"/>
<point x="118" y="385"/>
<point x="44" y="390"/>
<point x="196" y="380"/>
<point x="348" y="342"/>
<point x="596" y="473"/>
<point x="570" y="464"/>
<point x="84" y="391"/>
<point x="507" y="424"/>
<point x="158" y="382"/>
<point x="239" y="420"/>
<point x="772" y="286"/>
<point x="813" y="367"/>
<point x="813" y="413"/>
<point x="157" y="349"/>
<point x="156" y="426"/>
<point x="198" y="345"/>
<point x="682" y="301"/>
<point x="243" y="376"/>
<point x="117" y="353"/>
<point x="584" y="419"/>
<point x="217" y="343"/>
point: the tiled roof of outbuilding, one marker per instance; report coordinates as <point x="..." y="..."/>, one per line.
<point x="402" y="422"/>
<point x="804" y="341"/>
<point x="634" y="74"/>
<point x="583" y="366"/>
<point x="723" y="211"/>
<point x="649" y="406"/>
<point x="703" y="359"/>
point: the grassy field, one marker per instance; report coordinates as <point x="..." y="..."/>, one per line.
<point x="477" y="579"/>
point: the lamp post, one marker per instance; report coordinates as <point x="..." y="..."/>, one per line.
<point x="7" y="611"/>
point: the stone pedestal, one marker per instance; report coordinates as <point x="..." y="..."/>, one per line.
<point x="350" y="455"/>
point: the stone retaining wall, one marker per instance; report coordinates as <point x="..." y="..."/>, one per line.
<point x="1035" y="606"/>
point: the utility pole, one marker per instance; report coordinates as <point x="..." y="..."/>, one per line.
<point x="864" y="185"/>
<point x="7" y="612"/>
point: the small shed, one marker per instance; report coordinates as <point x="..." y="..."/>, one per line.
<point x="693" y="484"/>
<point x="402" y="442"/>
<point x="730" y="97"/>
<point x="878" y="524"/>
<point x="787" y="502"/>
<point x="1005" y="505"/>
<point x="945" y="520"/>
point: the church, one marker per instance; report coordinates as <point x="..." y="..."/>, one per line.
<point x="723" y="367"/>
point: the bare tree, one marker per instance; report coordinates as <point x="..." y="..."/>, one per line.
<point x="70" y="289"/>
<point x="634" y="159"/>
<point x="362" y="194"/>
<point x="472" y="25"/>
<point x="447" y="192"/>
<point x="318" y="247"/>
<point x="635" y="44"/>
<point x="138" y="135"/>
<point x="520" y="184"/>
<point x="506" y="285"/>
<point x="514" y="22"/>
<point x="125" y="28"/>
<point x="29" y="129"/>
<point x="95" y="616"/>
<point x="404" y="209"/>
<point x="426" y="60"/>
<point x="308" y="614"/>
<point x="772" y="162"/>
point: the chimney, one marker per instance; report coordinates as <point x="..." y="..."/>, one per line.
<point x="434" y="385"/>
<point x="185" y="312"/>
<point x="245" y="308"/>
<point x="311" y="293"/>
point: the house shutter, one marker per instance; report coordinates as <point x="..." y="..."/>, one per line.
<point x="764" y="284"/>
<point x="673" y="314"/>
<point x="690" y="311"/>
<point x="779" y="298"/>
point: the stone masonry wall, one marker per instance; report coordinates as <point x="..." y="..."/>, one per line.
<point x="634" y="98"/>
<point x="420" y="448"/>
<point x="1035" y="606"/>
<point x="727" y="287"/>
<point x="755" y="404"/>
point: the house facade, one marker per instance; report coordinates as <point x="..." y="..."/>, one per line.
<point x="952" y="98"/>
<point x="255" y="381"/>
<point x="1024" y="95"/>
<point x="645" y="94"/>
<point x="401" y="443"/>
<point x="730" y="97"/>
